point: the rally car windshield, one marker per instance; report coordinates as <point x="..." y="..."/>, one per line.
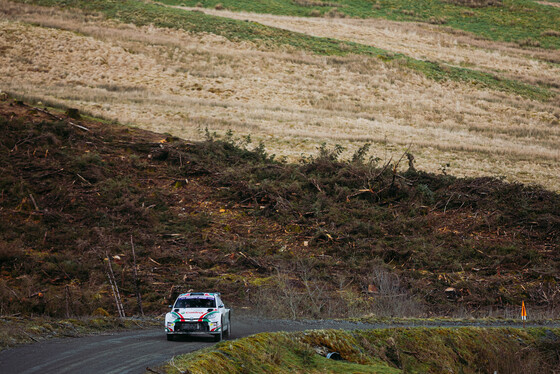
<point x="195" y="303"/>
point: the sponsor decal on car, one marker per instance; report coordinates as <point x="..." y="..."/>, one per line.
<point x="198" y="313"/>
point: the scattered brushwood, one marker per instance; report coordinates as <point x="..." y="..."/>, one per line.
<point x="298" y="290"/>
<point x="316" y="3"/>
<point x="366" y="235"/>
<point x="439" y="231"/>
<point x="66" y="191"/>
<point x="477" y="3"/>
<point x="334" y="13"/>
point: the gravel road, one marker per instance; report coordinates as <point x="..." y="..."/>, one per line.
<point x="133" y="351"/>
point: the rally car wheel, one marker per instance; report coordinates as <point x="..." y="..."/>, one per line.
<point x="228" y="331"/>
<point x="218" y="337"/>
<point x="170" y="337"/>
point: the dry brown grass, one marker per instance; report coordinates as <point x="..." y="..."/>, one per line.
<point x="171" y="81"/>
<point x="557" y="5"/>
<point x="425" y="42"/>
<point x="554" y="33"/>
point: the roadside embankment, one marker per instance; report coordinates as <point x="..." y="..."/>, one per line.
<point x="393" y="350"/>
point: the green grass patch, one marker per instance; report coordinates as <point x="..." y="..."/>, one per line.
<point x="270" y="353"/>
<point x="510" y="20"/>
<point x="140" y="13"/>
<point x="450" y="321"/>
<point x="412" y="350"/>
<point x="513" y="21"/>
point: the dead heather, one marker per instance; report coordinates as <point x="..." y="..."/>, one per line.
<point x="324" y="237"/>
<point x="172" y="81"/>
<point x="422" y="350"/>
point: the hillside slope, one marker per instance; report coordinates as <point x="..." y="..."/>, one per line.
<point x="305" y="239"/>
<point x="466" y="104"/>
<point x="526" y="22"/>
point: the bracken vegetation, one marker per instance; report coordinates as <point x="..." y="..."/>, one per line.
<point x="326" y="237"/>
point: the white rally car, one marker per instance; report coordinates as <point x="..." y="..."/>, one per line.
<point x="198" y="313"/>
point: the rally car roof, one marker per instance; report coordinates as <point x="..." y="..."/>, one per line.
<point x="199" y="294"/>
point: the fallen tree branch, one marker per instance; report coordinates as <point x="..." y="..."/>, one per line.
<point x="62" y="119"/>
<point x="360" y="192"/>
<point x="114" y="287"/>
<point x="316" y="184"/>
<point x="136" y="283"/>
<point x="253" y="261"/>
<point x="29" y="336"/>
<point x="84" y="179"/>
<point x="34" y="202"/>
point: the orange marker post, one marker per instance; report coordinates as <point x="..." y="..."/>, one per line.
<point x="523" y="312"/>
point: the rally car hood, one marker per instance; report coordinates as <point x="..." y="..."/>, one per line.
<point x="189" y="314"/>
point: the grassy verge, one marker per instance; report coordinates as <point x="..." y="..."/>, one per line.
<point x="140" y="13"/>
<point x="414" y="350"/>
<point x="21" y="330"/>
<point x="523" y="21"/>
<point x="453" y="322"/>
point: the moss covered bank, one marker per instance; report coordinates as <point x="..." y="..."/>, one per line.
<point x="396" y="350"/>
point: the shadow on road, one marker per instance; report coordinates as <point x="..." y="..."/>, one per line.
<point x="190" y="338"/>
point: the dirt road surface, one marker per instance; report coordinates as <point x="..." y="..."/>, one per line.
<point x="130" y="352"/>
<point x="133" y="351"/>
